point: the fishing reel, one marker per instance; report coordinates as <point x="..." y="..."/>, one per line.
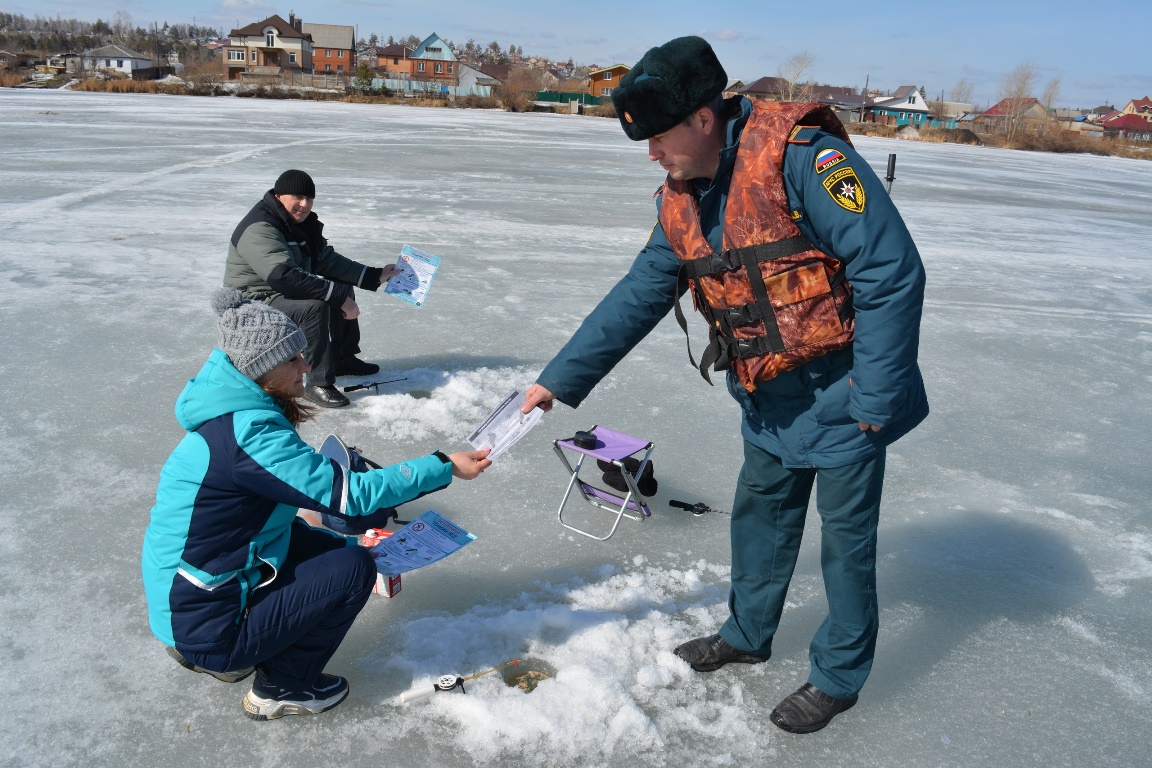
<point x="450" y="683"/>
<point x="447" y="683"/>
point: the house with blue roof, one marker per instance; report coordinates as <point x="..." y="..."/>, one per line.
<point x="433" y="69"/>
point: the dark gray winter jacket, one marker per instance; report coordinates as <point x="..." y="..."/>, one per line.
<point x="270" y="255"/>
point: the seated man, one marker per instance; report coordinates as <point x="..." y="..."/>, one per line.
<point x="278" y="255"/>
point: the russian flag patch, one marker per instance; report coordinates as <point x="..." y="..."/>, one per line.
<point x="828" y="158"/>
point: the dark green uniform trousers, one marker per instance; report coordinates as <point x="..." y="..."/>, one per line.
<point x="767" y="525"/>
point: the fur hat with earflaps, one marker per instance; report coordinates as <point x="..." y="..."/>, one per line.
<point x="669" y="83"/>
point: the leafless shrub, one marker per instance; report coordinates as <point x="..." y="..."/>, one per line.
<point x="118" y="85"/>
<point x="476" y="102"/>
<point x="1060" y="141"/>
<point x="515" y="101"/>
<point x="949" y="136"/>
<point x="871" y="129"/>
<point x="608" y="109"/>
<point x="517" y="93"/>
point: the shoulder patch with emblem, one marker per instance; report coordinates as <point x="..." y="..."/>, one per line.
<point x="826" y="158"/>
<point x="803" y="134"/>
<point x="845" y="189"/>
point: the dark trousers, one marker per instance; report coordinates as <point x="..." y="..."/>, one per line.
<point x="295" y="624"/>
<point x="331" y="338"/>
<point x="767" y="524"/>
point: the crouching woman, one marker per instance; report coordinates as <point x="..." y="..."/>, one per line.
<point x="235" y="582"/>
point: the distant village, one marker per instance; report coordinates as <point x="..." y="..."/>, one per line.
<point x="291" y="53"/>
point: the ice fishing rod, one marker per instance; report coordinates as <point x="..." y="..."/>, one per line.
<point x="376" y="384"/>
<point x="698" y="509"/>
<point x="447" y="683"/>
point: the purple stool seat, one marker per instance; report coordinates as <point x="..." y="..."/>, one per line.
<point x="611" y="446"/>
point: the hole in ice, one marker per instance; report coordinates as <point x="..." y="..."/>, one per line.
<point x="527" y="674"/>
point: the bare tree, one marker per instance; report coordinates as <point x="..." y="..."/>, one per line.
<point x="122" y="27"/>
<point x="961" y="92"/>
<point x="792" y="71"/>
<point x="1049" y="98"/>
<point x="1014" y="92"/>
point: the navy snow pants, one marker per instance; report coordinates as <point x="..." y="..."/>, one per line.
<point x="295" y="624"/>
<point x="767" y="524"/>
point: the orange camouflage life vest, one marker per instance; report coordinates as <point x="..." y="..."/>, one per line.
<point x="797" y="305"/>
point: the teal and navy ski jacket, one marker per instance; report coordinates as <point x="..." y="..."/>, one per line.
<point x="227" y="499"/>
<point x="808" y="416"/>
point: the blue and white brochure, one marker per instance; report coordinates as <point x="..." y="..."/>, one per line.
<point x="416" y="270"/>
<point x="425" y="540"/>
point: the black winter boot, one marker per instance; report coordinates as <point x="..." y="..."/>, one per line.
<point x="707" y="654"/>
<point x="809" y="709"/>
<point x="354" y="366"/>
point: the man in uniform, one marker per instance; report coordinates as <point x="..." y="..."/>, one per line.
<point x="813" y="290"/>
<point x="278" y="254"/>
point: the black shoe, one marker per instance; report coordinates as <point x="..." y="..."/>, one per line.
<point x="268" y="702"/>
<point x="808" y="709"/>
<point x="355" y="367"/>
<point x="325" y="397"/>
<point x="227" y="677"/>
<point x="707" y="654"/>
<point x="646" y="483"/>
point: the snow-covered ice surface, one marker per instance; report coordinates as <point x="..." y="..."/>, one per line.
<point x="1016" y="544"/>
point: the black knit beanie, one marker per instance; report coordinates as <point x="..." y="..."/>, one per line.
<point x="669" y="83"/>
<point x="295" y="182"/>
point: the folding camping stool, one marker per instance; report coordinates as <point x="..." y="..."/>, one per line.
<point x="612" y="447"/>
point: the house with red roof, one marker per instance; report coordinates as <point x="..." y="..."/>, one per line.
<point x="1133" y="127"/>
<point x="1020" y="113"/>
<point x="1138" y="107"/>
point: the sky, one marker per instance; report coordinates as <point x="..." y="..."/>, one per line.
<point x="1100" y="58"/>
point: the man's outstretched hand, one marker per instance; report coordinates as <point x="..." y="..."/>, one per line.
<point x="387" y="273"/>
<point x="537" y="396"/>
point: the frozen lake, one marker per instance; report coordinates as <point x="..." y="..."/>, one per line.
<point x="1015" y="576"/>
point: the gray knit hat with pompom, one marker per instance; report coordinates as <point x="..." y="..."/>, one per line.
<point x="255" y="336"/>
